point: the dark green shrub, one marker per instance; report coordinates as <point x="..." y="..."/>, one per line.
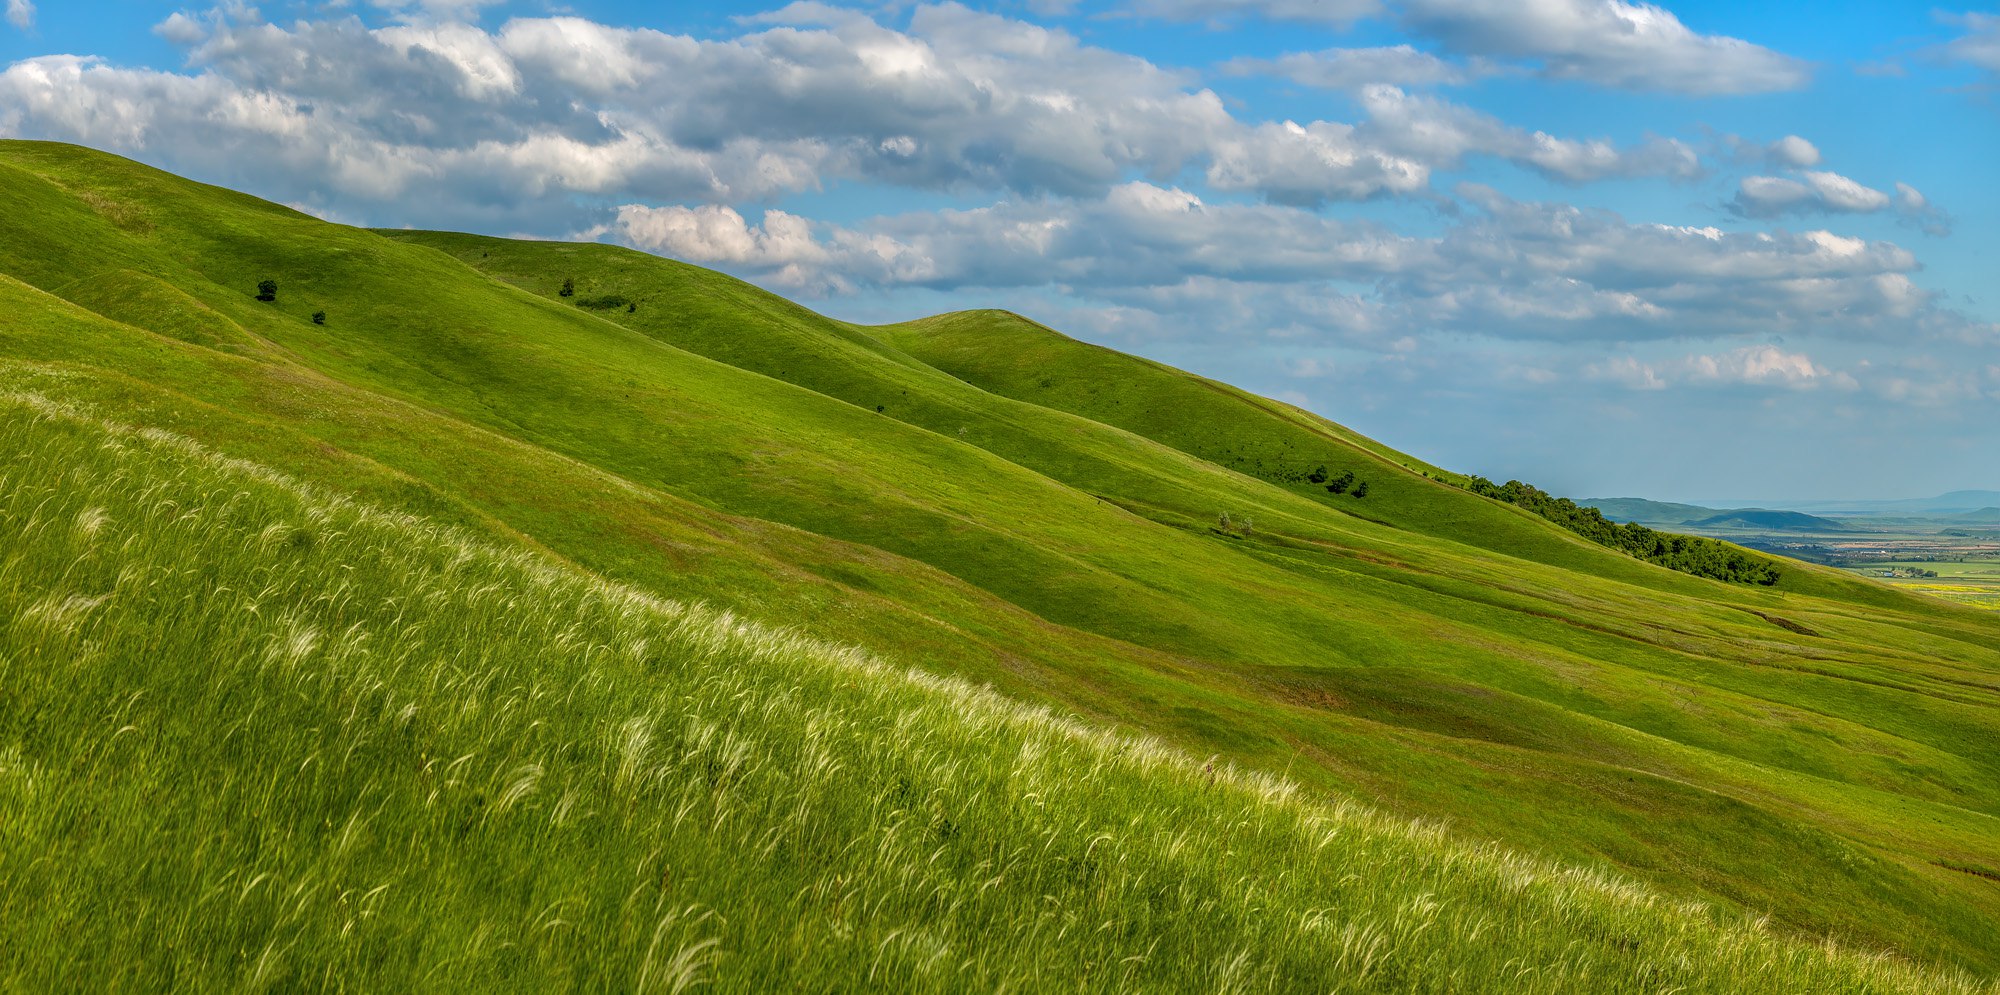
<point x="267" y="290"/>
<point x="319" y="317"/>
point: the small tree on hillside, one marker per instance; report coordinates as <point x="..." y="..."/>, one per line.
<point x="319" y="317"/>
<point x="267" y="290"/>
<point x="1361" y="489"/>
<point x="568" y="288"/>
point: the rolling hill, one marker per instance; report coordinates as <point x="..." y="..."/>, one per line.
<point x="974" y="499"/>
<point x="1767" y="520"/>
<point x="1649" y="512"/>
<point x="1667" y="514"/>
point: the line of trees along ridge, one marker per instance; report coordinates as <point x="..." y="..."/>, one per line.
<point x="1695" y="555"/>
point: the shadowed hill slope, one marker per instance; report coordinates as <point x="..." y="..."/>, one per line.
<point x="1811" y="752"/>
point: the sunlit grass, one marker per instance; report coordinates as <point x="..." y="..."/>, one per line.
<point x="254" y="736"/>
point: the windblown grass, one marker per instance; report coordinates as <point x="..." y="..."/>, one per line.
<point x="255" y="736"/>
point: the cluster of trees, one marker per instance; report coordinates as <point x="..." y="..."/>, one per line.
<point x="1345" y="483"/>
<point x="1913" y="573"/>
<point x="606" y="302"/>
<point x="1338" y="485"/>
<point x="1689" y="554"/>
<point x="267" y="291"/>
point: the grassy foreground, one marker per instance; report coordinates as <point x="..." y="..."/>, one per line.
<point x="257" y="737"/>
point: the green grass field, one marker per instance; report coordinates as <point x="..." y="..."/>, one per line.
<point x="1973" y="583"/>
<point x="452" y="525"/>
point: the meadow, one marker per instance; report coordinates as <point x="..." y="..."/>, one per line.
<point x="258" y="737"/>
<point x="1974" y="582"/>
<point x="972" y="532"/>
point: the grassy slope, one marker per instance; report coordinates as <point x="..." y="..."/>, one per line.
<point x="259" y="737"/>
<point x="1822" y="778"/>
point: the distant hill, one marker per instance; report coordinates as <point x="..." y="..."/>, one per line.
<point x="1764" y="518"/>
<point x="1648" y="512"/>
<point x="1984" y="516"/>
<point x="1694" y="516"/>
<point x="1952" y="503"/>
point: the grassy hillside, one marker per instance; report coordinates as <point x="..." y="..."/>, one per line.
<point x="261" y="737"/>
<point x="1759" y="518"/>
<point x="1646" y="512"/>
<point x="1812" y="753"/>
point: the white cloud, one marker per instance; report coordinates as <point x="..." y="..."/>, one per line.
<point x="1139" y="236"/>
<point x="1794" y="152"/>
<point x="1165" y="259"/>
<point x="21" y="13"/>
<point x="1432" y="130"/>
<point x="1821" y="192"/>
<point x="1749" y="366"/>
<point x="1354" y="68"/>
<point x="1813" y="192"/>
<point x="1635" y="46"/>
<point x="1979" y="45"/>
<point x="509" y="127"/>
<point x="1309" y="11"/>
<point x="1307" y="164"/>
<point x="1632" y="46"/>
<point x="434" y="9"/>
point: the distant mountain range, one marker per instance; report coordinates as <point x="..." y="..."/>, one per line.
<point x="1953" y="503"/>
<point x="1694" y="516"/>
<point x="1957" y="507"/>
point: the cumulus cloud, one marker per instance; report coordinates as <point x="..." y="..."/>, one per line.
<point x="1308" y="164"/>
<point x="21" y="14"/>
<point x="1793" y="152"/>
<point x="1403" y="138"/>
<point x="1821" y="192"/>
<point x="1354" y="68"/>
<point x="1749" y="366"/>
<point x="1812" y="192"/>
<point x="1138" y="235"/>
<point x="1434" y="130"/>
<point x="1163" y="259"/>
<point x="1632" y="46"/>
<point x="516" y="126"/>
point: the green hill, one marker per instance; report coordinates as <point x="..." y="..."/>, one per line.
<point x="1775" y="521"/>
<point x="1648" y="512"/>
<point x="974" y="496"/>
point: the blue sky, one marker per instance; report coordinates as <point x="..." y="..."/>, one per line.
<point x="1688" y="251"/>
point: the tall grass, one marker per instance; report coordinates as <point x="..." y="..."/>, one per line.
<point x="257" y="737"/>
